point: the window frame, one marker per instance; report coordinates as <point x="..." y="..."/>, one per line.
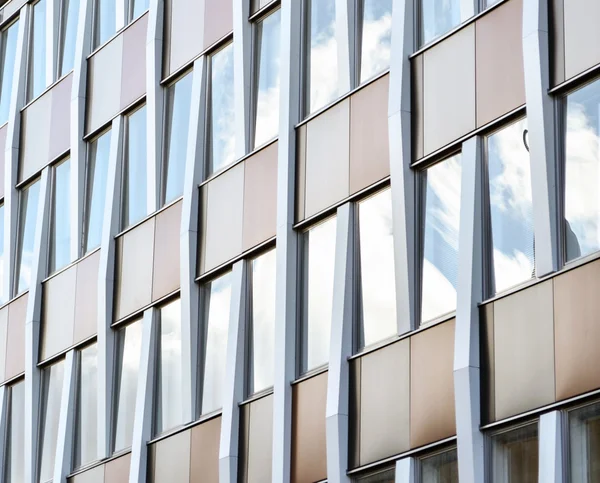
<point x="20" y="235"/>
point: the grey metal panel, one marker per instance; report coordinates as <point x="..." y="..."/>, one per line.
<point x="582" y="36"/>
<point x="3" y="340"/>
<point x="184" y="32"/>
<point x="165" y="276"/>
<point x="95" y="475"/>
<point x="35" y="136"/>
<point x="15" y="345"/>
<point x="117" y="471"/>
<point x="171" y="459"/>
<point x="86" y="298"/>
<point x="558" y="41"/>
<point x="218" y="20"/>
<point x="60" y="127"/>
<point x="133" y="70"/>
<point x="260" y="441"/>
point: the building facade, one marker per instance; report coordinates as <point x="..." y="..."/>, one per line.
<point x="299" y="240"/>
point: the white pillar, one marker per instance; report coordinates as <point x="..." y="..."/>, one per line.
<point x="242" y="55"/>
<point x="551" y="448"/>
<point x="406" y="470"/>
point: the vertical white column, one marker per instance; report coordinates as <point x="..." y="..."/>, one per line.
<point x="406" y="470"/>
<point x="338" y="379"/>
<point x="542" y="132"/>
<point x="234" y="376"/>
<point x="403" y="177"/>
<point x="106" y="283"/>
<point x="242" y="55"/>
<point x="345" y="34"/>
<point x="467" y="392"/>
<point x="551" y="448"/>
<point x="142" y="423"/>
<point x="33" y="330"/>
<point x="66" y="421"/>
<point x="4" y="400"/>
<point x="52" y="36"/>
<point x="287" y="241"/>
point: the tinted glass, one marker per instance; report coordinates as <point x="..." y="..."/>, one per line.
<point x="318" y="267"/>
<point x="97" y="171"/>
<point x="28" y="206"/>
<point x="511" y="209"/>
<point x="385" y="476"/>
<point x="138" y="7"/>
<point x="52" y="387"/>
<point x="222" y="110"/>
<point x="442" y="217"/>
<point x="70" y="14"/>
<point x="169" y="412"/>
<point x="130" y="348"/>
<point x="61" y="212"/>
<point x="440" y="468"/>
<point x="86" y="429"/>
<point x="9" y="50"/>
<point x="262" y="333"/>
<point x="584" y="444"/>
<point x="135" y="202"/>
<point x="438" y="17"/>
<point x="216" y="326"/>
<point x="37" y="51"/>
<point x="376" y="37"/>
<point x="3" y="294"/>
<point x="105" y="18"/>
<point x="268" y="40"/>
<point x="321" y="66"/>
<point x="179" y="98"/>
<point x="377" y="275"/>
<point x="582" y="171"/>
<point x="515" y="456"/>
<point x="16" y="448"/>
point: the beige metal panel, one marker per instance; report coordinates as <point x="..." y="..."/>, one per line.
<point x="369" y="143"/>
<point x="133" y="71"/>
<point x="499" y="62"/>
<point x="104" y="84"/>
<point x="432" y="385"/>
<point x="300" y="172"/>
<point x="384" y="402"/>
<point x="449" y="89"/>
<point x="218" y="20"/>
<point x="582" y="36"/>
<point x="61" y="118"/>
<point x="15" y="346"/>
<point x="171" y="459"/>
<point x="309" y="450"/>
<point x="3" y="131"/>
<point x="524" y="350"/>
<point x="58" y="317"/>
<point x="117" y="471"/>
<point x="576" y="309"/>
<point x="417" y="107"/>
<point x="86" y="298"/>
<point x="95" y="475"/>
<point x="134" y="282"/>
<point x="166" y="252"/>
<point x="3" y="340"/>
<point x="260" y="440"/>
<point x="204" y="466"/>
<point x="224" y="217"/>
<point x="558" y="41"/>
<point x="260" y="197"/>
<point x="487" y="363"/>
<point x="183" y="32"/>
<point x="328" y="158"/>
<point x="35" y="136"/>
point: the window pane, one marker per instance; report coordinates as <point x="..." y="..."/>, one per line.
<point x="262" y="332"/>
<point x="377" y="275"/>
<point x="104" y="21"/>
<point x="438" y="17"/>
<point x="70" y="14"/>
<point x="86" y="449"/>
<point x="179" y="98"/>
<point x="267" y="63"/>
<point x="27" y="224"/>
<point x="216" y="326"/>
<point x="9" y="50"/>
<point x="97" y="171"/>
<point x="584" y="439"/>
<point x="61" y="213"/>
<point x="440" y="468"/>
<point x="170" y="409"/>
<point x="319" y="258"/>
<point x="385" y="476"/>
<point x="138" y="7"/>
<point x="582" y="172"/>
<point x="52" y="387"/>
<point x="130" y="347"/>
<point x="16" y="448"/>
<point x="3" y="295"/>
<point x="510" y="206"/>
<point x="322" y="66"/>
<point x="135" y="202"/>
<point x="515" y="456"/>
<point x="37" y="52"/>
<point x="442" y="216"/>
<point x="376" y="37"/>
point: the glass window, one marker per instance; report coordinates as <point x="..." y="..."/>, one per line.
<point x="268" y="41"/>
<point x="137" y="8"/>
<point x="440" y="247"/>
<point x="51" y="394"/>
<point x="60" y="237"/>
<point x="376" y="36"/>
<point x="86" y="426"/>
<point x="105" y="18"/>
<point x="222" y="110"/>
<point x="129" y="351"/>
<point x="584" y="444"/>
<point x="9" y="50"/>
<point x="317" y="291"/>
<point x="28" y="207"/>
<point x="217" y="295"/>
<point x="16" y="434"/>
<point x="169" y="408"/>
<point x="515" y="455"/>
<point x="321" y="69"/>
<point x="582" y="171"/>
<point x="377" y="275"/>
<point x="381" y="476"/>
<point x="135" y="176"/>
<point x="37" y="52"/>
<point x="97" y="171"/>
<point x="68" y="33"/>
<point x="438" y="17"/>
<point x="179" y="98"/>
<point x="262" y="324"/>
<point x="439" y="468"/>
<point x="511" y="211"/>
<point x="3" y="295"/>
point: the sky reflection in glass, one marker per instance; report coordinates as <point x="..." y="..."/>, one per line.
<point x="376" y="38"/>
<point x="438" y="17"/>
